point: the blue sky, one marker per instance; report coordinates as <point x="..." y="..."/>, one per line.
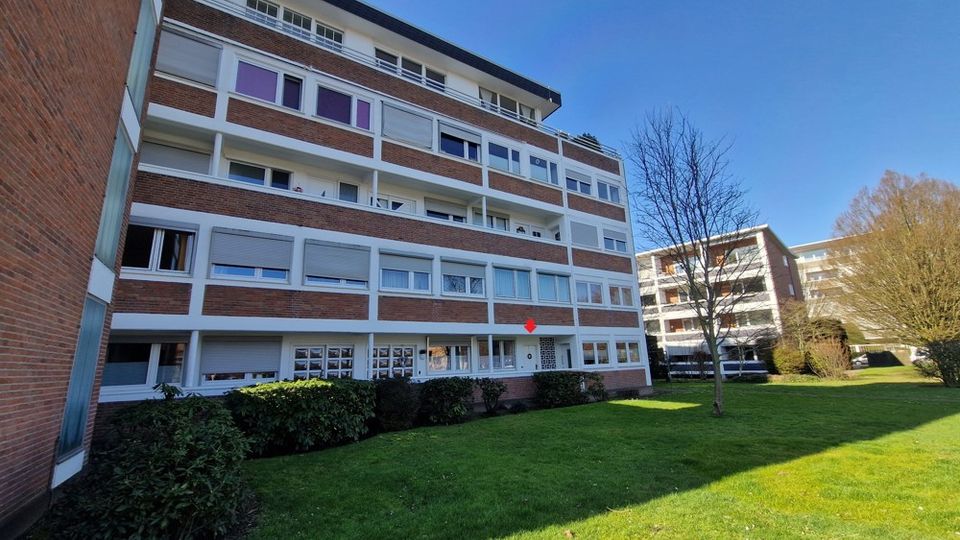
<point x="818" y="97"/>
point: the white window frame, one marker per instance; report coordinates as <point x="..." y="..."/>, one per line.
<point x="515" y="273"/>
<point x="511" y="153"/>
<point x="553" y="170"/>
<point x="267" y="175"/>
<point x="609" y="186"/>
<point x="340" y="283"/>
<point x="496" y="106"/>
<point x="325" y="371"/>
<point x="410" y="281"/>
<point x="339" y="192"/>
<point x="390" y="200"/>
<point x="616" y="245"/>
<point x="156" y="246"/>
<point x="467" y="281"/>
<point x="394" y="361"/>
<point x="630" y="359"/>
<point x="529" y="229"/>
<point x="422" y="78"/>
<point x="580" y="185"/>
<point x="153" y="366"/>
<point x="557" y="285"/>
<point x="590" y="285"/>
<point x="266" y="4"/>
<point x="493" y="218"/>
<point x="466" y="147"/>
<point x="257" y="276"/>
<point x="620" y="292"/>
<point x="278" y="91"/>
<point x="595" y="345"/>
<point x="453" y="359"/>
<point x="354" y="108"/>
<point x="496" y="360"/>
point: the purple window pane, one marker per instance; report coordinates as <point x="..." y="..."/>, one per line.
<point x="291" y="92"/>
<point x="333" y="105"/>
<point x="256" y="81"/>
<point x="363" y="114"/>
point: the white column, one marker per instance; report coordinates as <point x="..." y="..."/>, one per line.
<point x="483" y="210"/>
<point x="375" y="188"/>
<point x="366" y="370"/>
<point x="191" y="363"/>
<point x="217" y="154"/>
<point x="490" y="352"/>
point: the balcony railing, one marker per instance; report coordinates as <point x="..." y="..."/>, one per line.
<point x="299" y="33"/>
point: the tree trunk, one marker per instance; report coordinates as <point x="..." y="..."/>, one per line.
<point x="717" y="378"/>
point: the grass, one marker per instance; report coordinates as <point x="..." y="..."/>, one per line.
<point x="873" y="457"/>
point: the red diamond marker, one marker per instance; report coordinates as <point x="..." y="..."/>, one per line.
<point x="530" y="326"/>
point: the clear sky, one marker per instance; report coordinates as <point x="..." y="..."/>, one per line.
<point x="818" y="96"/>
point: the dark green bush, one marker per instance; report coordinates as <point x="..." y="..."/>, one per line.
<point x="397" y="404"/>
<point x="296" y="416"/>
<point x="167" y="469"/>
<point x="927" y="368"/>
<point x="946" y="355"/>
<point x="446" y="400"/>
<point x="490" y="391"/>
<point x="563" y="388"/>
<point x="789" y="361"/>
<point x="658" y="363"/>
<point x="595" y="387"/>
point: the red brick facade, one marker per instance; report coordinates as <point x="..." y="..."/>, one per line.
<point x="296" y="127"/>
<point x="624" y="379"/>
<point x="239" y="202"/>
<point x="783" y="275"/>
<point x="595" y="207"/>
<point x="431" y="163"/>
<point x="183" y="96"/>
<point x="139" y="296"/>
<point x="257" y="302"/>
<point x="59" y="117"/>
<point x="401" y="308"/>
<point x="525" y="188"/>
<point x="602" y="261"/>
<point x="604" y="317"/>
<point x="543" y="315"/>
<point x="590" y="157"/>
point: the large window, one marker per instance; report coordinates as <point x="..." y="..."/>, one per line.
<point x="578" y="182"/>
<point x="608" y="192"/>
<point x="494" y="221"/>
<point x="348" y="192"/>
<point x="614" y="241"/>
<point x="269" y="85"/>
<point x="82" y="376"/>
<point x="322" y="362"/>
<point x="459" y="142"/>
<point x="188" y="58"/>
<point x="444" y="210"/>
<point x="144" y="364"/>
<point x="404" y="273"/>
<point x="335" y="265"/>
<point x="503" y="158"/>
<point x="462" y="279"/>
<point x="507" y="106"/>
<point x="392" y="361"/>
<point x="343" y="108"/>
<point x="543" y="170"/>
<point x="259" y="8"/>
<point x="502" y="357"/>
<point x="249" y="255"/>
<point x="407" y="127"/>
<point x="595" y="353"/>
<point x="583" y="234"/>
<point x="261" y="176"/>
<point x="248" y="359"/>
<point x="589" y="292"/>
<point x="512" y="283"/>
<point x="628" y="352"/>
<point x="621" y="296"/>
<point x="448" y="358"/>
<point x="158" y="249"/>
<point x="553" y="287"/>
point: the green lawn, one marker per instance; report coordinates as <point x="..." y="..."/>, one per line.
<point x="876" y="457"/>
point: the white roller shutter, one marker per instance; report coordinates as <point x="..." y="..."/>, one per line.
<point x="174" y="158"/>
<point x="462" y="269"/>
<point x="408" y="127"/>
<point x="188" y="58"/>
<point x="239" y="355"/>
<point x="245" y="248"/>
<point x="583" y="234"/>
<point x="403" y="262"/>
<point x="341" y="261"/>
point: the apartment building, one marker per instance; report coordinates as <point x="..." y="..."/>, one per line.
<point x="763" y="276"/>
<point x="325" y="190"/>
<point x="73" y="83"/>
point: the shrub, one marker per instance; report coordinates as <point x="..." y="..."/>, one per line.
<point x="829" y="359"/>
<point x="595" y="387"/>
<point x="927" y="368"/>
<point x="519" y="407"/>
<point x="658" y="363"/>
<point x="564" y="388"/>
<point x="490" y="391"/>
<point x="167" y="469"/>
<point x="788" y="360"/>
<point x="946" y="355"/>
<point x="397" y="404"/>
<point x="296" y="416"/>
<point x="446" y="400"/>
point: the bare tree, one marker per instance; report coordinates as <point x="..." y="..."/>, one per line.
<point x="685" y="201"/>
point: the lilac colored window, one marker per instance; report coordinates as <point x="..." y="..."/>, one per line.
<point x="256" y="81"/>
<point x="333" y="105"/>
<point x="363" y="114"/>
<point x="291" y="92"/>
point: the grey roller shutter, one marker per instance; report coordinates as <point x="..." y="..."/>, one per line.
<point x="459" y="133"/>
<point x="341" y="261"/>
<point x="402" y="262"/>
<point x="583" y="234"/>
<point x="445" y="207"/>
<point x="174" y="158"/>
<point x="188" y="58"/>
<point x="407" y="127"/>
<point x="616" y="235"/>
<point x="578" y="176"/>
<point x="461" y="269"/>
<point x="246" y="248"/>
<point x="239" y="355"/>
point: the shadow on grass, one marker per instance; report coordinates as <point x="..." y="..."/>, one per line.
<point x="508" y="475"/>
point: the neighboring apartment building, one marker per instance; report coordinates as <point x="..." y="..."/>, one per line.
<point x="73" y="82"/>
<point x="327" y="191"/>
<point x="766" y="273"/>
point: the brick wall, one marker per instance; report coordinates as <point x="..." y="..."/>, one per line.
<point x="59" y="118"/>
<point x="138" y="296"/>
<point x="590" y="157"/>
<point x="257" y="302"/>
<point x="624" y="379"/>
<point x="164" y="190"/>
<point x="183" y="96"/>
<point x="431" y="163"/>
<point x="296" y="127"/>
<point x="519" y="313"/>
<point x="782" y="275"/>
<point x="401" y="308"/>
<point x="592" y="206"/>
<point x="606" y="317"/>
<point x="524" y="188"/>
<point x="602" y="261"/>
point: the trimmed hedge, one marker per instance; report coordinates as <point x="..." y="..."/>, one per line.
<point x="296" y="416"/>
<point x="166" y="469"/>
<point x="397" y="404"/>
<point x="446" y="400"/>
<point x="564" y="388"/>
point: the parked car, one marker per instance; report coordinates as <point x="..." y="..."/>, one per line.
<point x="860" y="362"/>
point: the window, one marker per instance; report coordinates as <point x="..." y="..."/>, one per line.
<point x="400" y="272"/>
<point x="251" y="255"/>
<point x="262" y="7"/>
<point x="386" y="60"/>
<point x="444" y="210"/>
<point x="329" y="36"/>
<point x="139" y="68"/>
<point x="621" y="296"/>
<point x="396" y="204"/>
<point x="157" y="249"/>
<point x="266" y="84"/>
<point x="583" y="234"/>
<point x="144" y="364"/>
<point x="348" y="192"/>
<point x="791" y="289"/>
<point x="188" y="58"/>
<point x="292" y="90"/>
<point x="614" y="241"/>
<point x="512" y="283"/>
<point x="589" y="292"/>
<point x="503" y="355"/>
<point x="261" y="176"/>
<point x="532" y="230"/>
<point x="336" y="265"/>
<point x="543" y="170"/>
<point x="754" y="318"/>
<point x="323" y="362"/>
<point x="171" y="157"/>
<point x="608" y="192"/>
<point x="785" y="262"/>
<point x="628" y="352"/>
<point x="648" y="300"/>
<point x="459" y="142"/>
<point x="494" y="221"/>
<point x="407" y="127"/>
<point x="435" y="79"/>
<point x="503" y="158"/>
<point x="238" y="358"/>
<point x="392" y="361"/>
<point x="115" y="199"/>
<point x="82" y="376"/>
<point x="448" y="358"/>
<point x="297" y="22"/>
<point x="595" y="353"/>
<point x="682" y="325"/>
<point x="415" y="71"/>
<point x="462" y="279"/>
<point x="343" y="108"/>
<point x="652" y="327"/>
<point x="506" y="106"/>
<point x="578" y="182"/>
<point x="553" y="287"/>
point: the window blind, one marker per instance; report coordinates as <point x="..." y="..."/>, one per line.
<point x="246" y="248"/>
<point x="407" y="127"/>
<point x="175" y="158"/>
<point x="616" y="235"/>
<point x="583" y="234"/>
<point x="403" y="262"/>
<point x="445" y="207"/>
<point x="188" y="58"/>
<point x="459" y="133"/>
<point x="462" y="269"/>
<point x="578" y="176"/>
<point x="239" y="355"/>
<point x="341" y="261"/>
